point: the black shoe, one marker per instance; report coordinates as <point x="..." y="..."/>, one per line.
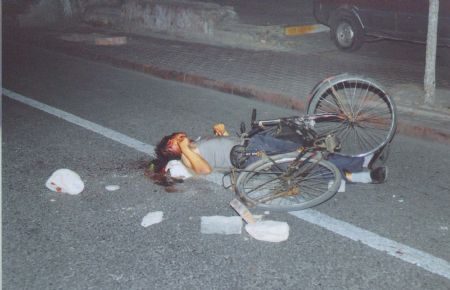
<point x="379" y="174"/>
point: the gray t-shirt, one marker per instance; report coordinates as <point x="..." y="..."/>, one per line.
<point x="216" y="150"/>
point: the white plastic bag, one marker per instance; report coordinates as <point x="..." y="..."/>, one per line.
<point x="65" y="181"/>
<point x="152" y="218"/>
<point x="269" y="231"/>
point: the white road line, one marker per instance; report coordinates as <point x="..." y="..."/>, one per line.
<point x="408" y="254"/>
<point x="419" y="258"/>
<point x="108" y="133"/>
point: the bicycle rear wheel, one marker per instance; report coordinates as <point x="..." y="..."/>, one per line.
<point x="367" y="115"/>
<point x="266" y="185"/>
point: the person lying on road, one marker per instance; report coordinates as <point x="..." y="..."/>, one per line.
<point x="180" y="157"/>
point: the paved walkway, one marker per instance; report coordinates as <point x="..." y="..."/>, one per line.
<point x="283" y="78"/>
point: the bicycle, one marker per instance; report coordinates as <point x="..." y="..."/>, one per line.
<point x="347" y="114"/>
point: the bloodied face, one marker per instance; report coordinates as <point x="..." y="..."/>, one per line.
<point x="172" y="144"/>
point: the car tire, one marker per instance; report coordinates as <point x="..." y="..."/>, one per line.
<point x="346" y="31"/>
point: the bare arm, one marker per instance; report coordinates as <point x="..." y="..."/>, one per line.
<point x="192" y="159"/>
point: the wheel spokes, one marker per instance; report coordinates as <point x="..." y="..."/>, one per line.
<point x="270" y="187"/>
<point x="369" y="117"/>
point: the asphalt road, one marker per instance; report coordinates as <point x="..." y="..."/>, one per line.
<point x="95" y="240"/>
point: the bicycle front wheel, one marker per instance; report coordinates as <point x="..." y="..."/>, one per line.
<point x="367" y="115"/>
<point x="269" y="184"/>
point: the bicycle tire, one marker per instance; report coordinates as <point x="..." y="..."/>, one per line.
<point x="368" y="115"/>
<point x="318" y="185"/>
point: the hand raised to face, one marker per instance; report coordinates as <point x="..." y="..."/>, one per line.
<point x="183" y="141"/>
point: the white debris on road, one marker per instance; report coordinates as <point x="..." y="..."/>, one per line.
<point x="112" y="187"/>
<point x="65" y="181"/>
<point x="221" y="225"/>
<point x="269" y="231"/>
<point x="152" y="218"/>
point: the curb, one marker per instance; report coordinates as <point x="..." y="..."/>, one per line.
<point x="422" y="132"/>
<point x="404" y="127"/>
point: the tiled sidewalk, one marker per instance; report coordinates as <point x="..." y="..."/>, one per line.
<point x="284" y="78"/>
<point x="292" y="74"/>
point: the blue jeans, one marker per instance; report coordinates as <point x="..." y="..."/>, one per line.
<point x="272" y="145"/>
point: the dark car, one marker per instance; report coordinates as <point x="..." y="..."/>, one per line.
<point x="351" y="21"/>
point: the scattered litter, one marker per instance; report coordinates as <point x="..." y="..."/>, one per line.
<point x="242" y="210"/>
<point x="152" y="218"/>
<point x="221" y="225"/>
<point x="65" y="181"/>
<point x="444" y="228"/>
<point x="52" y="200"/>
<point x="400" y="200"/>
<point x="267" y="212"/>
<point x="269" y="231"/>
<point x="112" y="187"/>
<point x="393" y="196"/>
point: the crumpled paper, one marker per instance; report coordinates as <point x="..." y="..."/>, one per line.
<point x="65" y="181"/>
<point x="269" y="231"/>
<point x="152" y="218"/>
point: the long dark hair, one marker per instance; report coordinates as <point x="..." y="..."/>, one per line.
<point x="165" y="151"/>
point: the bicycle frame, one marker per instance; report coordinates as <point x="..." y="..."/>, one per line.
<point x="303" y="126"/>
<point x="349" y="115"/>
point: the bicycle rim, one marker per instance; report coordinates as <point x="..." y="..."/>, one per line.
<point x="266" y="186"/>
<point x="367" y="116"/>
